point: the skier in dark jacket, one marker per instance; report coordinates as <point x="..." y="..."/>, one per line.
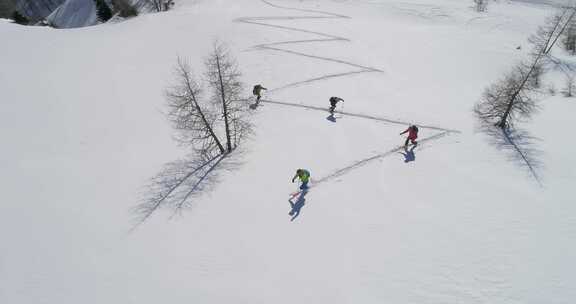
<point x="412" y="135"/>
<point x="333" y="101"/>
<point x="257" y="91"/>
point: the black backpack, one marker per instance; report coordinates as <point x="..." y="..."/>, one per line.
<point x="255" y="90"/>
<point x="415" y="128"/>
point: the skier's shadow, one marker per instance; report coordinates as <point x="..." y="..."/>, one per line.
<point x="296" y="206"/>
<point x="409" y="156"/>
<point x="331" y="117"/>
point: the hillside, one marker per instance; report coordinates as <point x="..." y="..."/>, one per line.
<point x="83" y="130"/>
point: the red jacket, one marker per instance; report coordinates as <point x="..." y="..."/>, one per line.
<point x="412" y="133"/>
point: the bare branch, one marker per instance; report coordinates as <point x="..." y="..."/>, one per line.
<point x="223" y="78"/>
<point x="194" y="122"/>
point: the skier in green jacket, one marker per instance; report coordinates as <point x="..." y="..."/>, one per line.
<point x="304" y="176"/>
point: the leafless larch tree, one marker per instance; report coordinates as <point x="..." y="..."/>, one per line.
<point x="211" y="127"/>
<point x="481" y="5"/>
<point x="513" y="98"/>
<point x="194" y="120"/>
<point x="569" y="39"/>
<point x="223" y="79"/>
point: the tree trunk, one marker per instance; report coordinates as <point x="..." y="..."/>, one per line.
<point x="224" y="106"/>
<point x="502" y="123"/>
<point x="210" y="130"/>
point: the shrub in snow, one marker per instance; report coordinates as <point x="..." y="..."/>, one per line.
<point x="480" y="5"/>
<point x="18" y="18"/>
<point x="551" y="89"/>
<point x="124" y="8"/>
<point x="569" y="89"/>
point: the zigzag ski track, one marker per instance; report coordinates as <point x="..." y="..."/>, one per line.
<point x="359" y="69"/>
<point x="261" y="21"/>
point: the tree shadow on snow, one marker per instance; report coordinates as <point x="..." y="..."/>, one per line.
<point x="297" y="206"/>
<point x="519" y="147"/>
<point x="180" y="181"/>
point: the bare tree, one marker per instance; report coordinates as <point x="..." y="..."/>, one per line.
<point x="569" y="38"/>
<point x="199" y="123"/>
<point x="480" y="5"/>
<point x="496" y="99"/>
<point x="156" y="5"/>
<point x="513" y="97"/>
<point x="125" y="8"/>
<point x="223" y="79"/>
<point x="194" y="122"/>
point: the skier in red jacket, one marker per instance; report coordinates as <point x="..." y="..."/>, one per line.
<point x="412" y="135"/>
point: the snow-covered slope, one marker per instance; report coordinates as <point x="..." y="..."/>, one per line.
<point x="82" y="131"/>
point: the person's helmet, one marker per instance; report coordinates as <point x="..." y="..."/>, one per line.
<point x="299" y="171"/>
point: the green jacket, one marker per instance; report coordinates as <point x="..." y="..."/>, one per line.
<point x="304" y="176"/>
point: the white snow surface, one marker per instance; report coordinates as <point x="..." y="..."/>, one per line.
<point x="82" y="131"/>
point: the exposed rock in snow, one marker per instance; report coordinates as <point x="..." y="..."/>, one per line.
<point x="74" y="13"/>
<point x="37" y="9"/>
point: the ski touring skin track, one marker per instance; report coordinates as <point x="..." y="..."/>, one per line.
<point x="358" y="69"/>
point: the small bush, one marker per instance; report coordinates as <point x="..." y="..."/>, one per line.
<point x="124" y="8"/>
<point x="19" y="18"/>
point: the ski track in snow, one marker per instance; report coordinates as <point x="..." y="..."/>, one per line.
<point x="360" y="163"/>
<point x="261" y="21"/>
<point x="326" y="38"/>
<point x="359" y="115"/>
